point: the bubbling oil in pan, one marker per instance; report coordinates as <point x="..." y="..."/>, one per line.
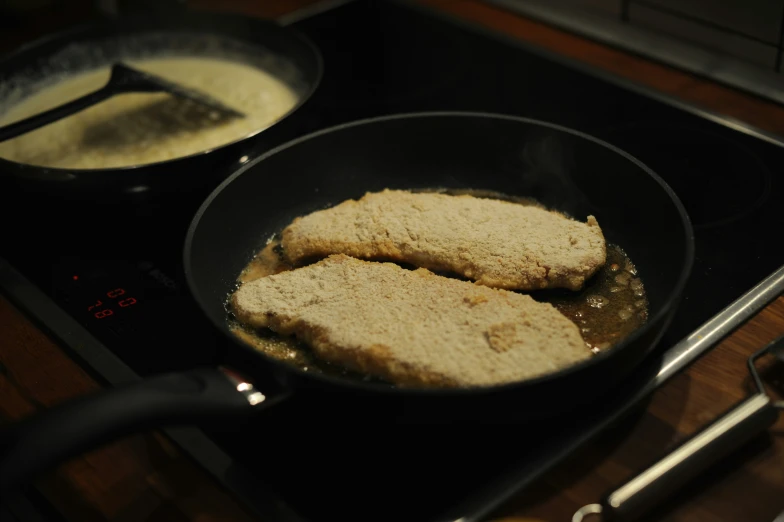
<point x="609" y="307"/>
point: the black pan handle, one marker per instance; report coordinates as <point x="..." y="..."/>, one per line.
<point x="48" y="438"/>
<point x="649" y="488"/>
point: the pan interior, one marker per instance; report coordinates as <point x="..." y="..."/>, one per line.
<point x="561" y="170"/>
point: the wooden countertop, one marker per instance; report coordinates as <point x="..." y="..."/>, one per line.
<point x="146" y="478"/>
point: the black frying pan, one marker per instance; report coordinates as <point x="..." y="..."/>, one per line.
<point x="561" y="168"/>
<point x="258" y="43"/>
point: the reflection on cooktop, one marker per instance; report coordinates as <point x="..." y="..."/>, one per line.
<point x="388" y="67"/>
<point x="719" y="180"/>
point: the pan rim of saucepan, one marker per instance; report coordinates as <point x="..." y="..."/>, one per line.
<point x="671" y="301"/>
<point x="182" y="18"/>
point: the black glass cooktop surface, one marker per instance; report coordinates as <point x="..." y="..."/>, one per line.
<point x="381" y="58"/>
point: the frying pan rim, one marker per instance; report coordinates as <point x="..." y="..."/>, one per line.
<point x="671" y="301"/>
<point x="81" y="29"/>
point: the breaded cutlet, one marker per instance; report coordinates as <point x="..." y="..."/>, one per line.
<point x="411" y="327"/>
<point x="496" y="243"/>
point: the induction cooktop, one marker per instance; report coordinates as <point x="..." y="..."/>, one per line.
<point x="116" y="274"/>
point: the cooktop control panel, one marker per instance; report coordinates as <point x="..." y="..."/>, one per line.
<point x="139" y="309"/>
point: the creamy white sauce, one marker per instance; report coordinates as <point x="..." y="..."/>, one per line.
<point x="142" y="128"/>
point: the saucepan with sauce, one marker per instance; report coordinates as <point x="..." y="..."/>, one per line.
<point x="134" y="145"/>
<point x="422" y="267"/>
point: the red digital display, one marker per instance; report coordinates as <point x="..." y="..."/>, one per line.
<point x="100" y="313"/>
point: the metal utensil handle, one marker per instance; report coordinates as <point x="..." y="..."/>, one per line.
<point x="741" y="423"/>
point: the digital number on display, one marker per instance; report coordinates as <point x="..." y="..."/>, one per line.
<point x="117" y="296"/>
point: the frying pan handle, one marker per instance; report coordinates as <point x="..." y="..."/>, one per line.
<point x="647" y="489"/>
<point x="66" y="430"/>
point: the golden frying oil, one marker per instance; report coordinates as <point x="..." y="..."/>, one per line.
<point x="611" y="305"/>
